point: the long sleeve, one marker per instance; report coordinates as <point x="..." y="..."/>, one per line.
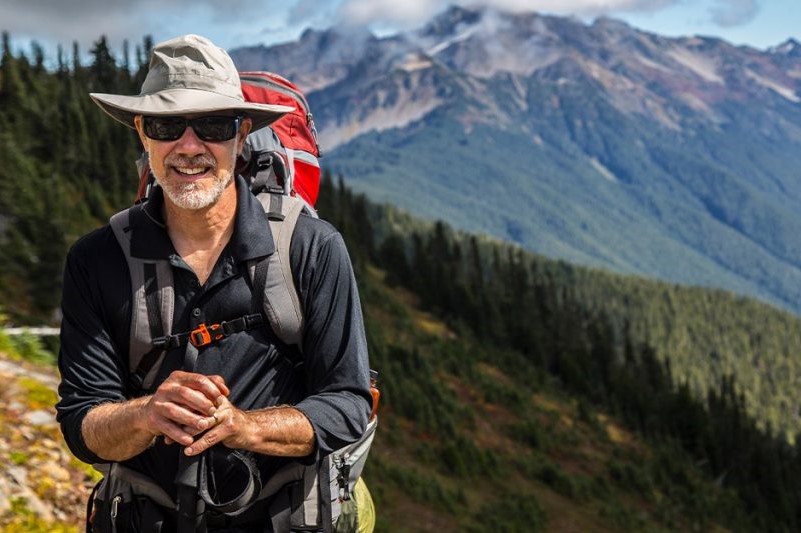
<point x="334" y="345"/>
<point x="90" y="364"/>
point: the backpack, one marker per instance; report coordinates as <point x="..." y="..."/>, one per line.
<point x="280" y="163"/>
<point x="295" y="132"/>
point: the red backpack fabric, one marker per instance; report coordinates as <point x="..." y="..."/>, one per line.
<point x="295" y="130"/>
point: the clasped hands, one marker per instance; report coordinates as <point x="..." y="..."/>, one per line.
<point x="194" y="411"/>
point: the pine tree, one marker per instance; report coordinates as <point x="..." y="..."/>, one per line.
<point x="103" y="68"/>
<point x="12" y="90"/>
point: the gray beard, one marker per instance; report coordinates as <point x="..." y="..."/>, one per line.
<point x="192" y="196"/>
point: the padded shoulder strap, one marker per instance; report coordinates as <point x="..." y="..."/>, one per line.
<point x="152" y="301"/>
<point x="281" y="300"/>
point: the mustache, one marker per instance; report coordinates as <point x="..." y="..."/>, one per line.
<point x="202" y="160"/>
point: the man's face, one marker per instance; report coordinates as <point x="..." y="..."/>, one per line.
<point x="193" y="172"/>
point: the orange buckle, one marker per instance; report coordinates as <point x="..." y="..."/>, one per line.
<point x="205" y="335"/>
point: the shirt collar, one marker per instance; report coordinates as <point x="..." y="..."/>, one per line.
<point x="251" y="239"/>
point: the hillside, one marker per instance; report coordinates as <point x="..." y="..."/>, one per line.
<point x="685" y="367"/>
<point x="464" y="445"/>
<point x="673" y="158"/>
<point x="475" y="440"/>
<point x="535" y="305"/>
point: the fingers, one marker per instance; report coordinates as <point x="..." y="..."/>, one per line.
<point x="229" y="422"/>
<point x="183" y="405"/>
<point x="195" y="391"/>
<point x="220" y="382"/>
<point x="210" y="387"/>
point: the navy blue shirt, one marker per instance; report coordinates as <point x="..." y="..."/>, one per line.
<point x="331" y="387"/>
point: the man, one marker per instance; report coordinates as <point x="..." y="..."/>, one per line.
<point x="243" y="392"/>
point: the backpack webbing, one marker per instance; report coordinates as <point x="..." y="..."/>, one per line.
<point x="281" y="301"/>
<point x="153" y="293"/>
<point x="151" y="281"/>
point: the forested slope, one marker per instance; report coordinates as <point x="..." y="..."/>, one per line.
<point x="514" y="324"/>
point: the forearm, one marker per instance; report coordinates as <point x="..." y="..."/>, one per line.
<point x="282" y="431"/>
<point x="117" y="431"/>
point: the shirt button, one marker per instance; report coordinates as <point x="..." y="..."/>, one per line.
<point x="196" y="312"/>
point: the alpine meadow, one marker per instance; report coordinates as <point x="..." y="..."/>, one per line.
<point x="519" y="391"/>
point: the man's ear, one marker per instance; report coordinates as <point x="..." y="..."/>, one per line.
<point x="141" y="132"/>
<point x="242" y="134"/>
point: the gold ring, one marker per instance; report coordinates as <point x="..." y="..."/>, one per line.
<point x="214" y="416"/>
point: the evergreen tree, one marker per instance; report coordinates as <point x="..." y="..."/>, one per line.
<point x="104" y="69"/>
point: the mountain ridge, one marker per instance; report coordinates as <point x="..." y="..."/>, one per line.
<point x="597" y="143"/>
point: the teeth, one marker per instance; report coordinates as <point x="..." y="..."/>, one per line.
<point x="191" y="171"/>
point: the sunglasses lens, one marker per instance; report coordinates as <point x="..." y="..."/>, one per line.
<point x="215" y="129"/>
<point x="164" y="128"/>
<point x="209" y="129"/>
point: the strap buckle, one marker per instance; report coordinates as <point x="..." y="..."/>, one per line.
<point x="205" y="335"/>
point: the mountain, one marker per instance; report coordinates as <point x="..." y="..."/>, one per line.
<point x="675" y="158"/>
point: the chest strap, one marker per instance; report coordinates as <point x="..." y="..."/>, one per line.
<point x="203" y="335"/>
<point x="206" y="334"/>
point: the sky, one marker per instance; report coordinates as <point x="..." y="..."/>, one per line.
<point x="234" y="23"/>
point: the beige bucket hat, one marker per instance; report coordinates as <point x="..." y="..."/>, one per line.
<point x="188" y="75"/>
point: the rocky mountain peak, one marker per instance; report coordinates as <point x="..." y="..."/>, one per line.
<point x="451" y="22"/>
<point x="790" y="48"/>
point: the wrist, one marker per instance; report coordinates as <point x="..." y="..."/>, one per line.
<point x="141" y="416"/>
<point x="247" y="431"/>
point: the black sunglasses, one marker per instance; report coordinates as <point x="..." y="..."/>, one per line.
<point x="209" y="129"/>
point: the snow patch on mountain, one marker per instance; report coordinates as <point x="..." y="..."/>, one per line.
<point x="492" y="42"/>
<point x="788" y="47"/>
<point x="781" y="90"/>
<point x="651" y="64"/>
<point x="703" y="66"/>
<point x="444" y="45"/>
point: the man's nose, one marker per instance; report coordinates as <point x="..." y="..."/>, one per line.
<point x="189" y="143"/>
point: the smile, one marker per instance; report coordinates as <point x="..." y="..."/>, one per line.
<point x="192" y="171"/>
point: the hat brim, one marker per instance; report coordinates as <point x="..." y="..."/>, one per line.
<point x="186" y="102"/>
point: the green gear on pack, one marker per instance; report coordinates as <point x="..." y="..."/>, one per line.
<point x="358" y="513"/>
<point x="321" y="496"/>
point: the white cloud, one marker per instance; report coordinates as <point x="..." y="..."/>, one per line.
<point x="233" y="23"/>
<point x="413" y="12"/>
<point x="57" y="21"/>
<point x="730" y="13"/>
<point x="311" y="12"/>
